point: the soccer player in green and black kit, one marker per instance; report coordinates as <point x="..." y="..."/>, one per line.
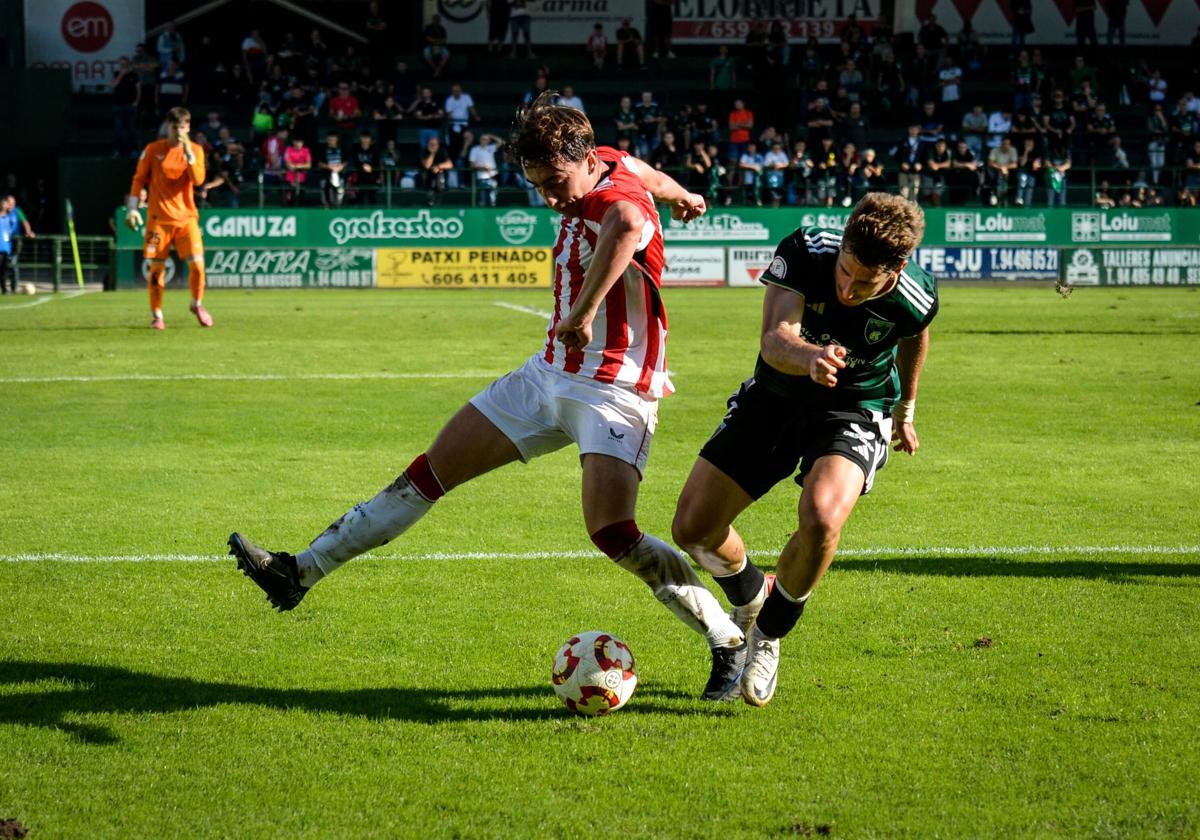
<point x="845" y="331"/>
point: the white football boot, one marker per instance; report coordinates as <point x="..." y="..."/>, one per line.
<point x="762" y="668"/>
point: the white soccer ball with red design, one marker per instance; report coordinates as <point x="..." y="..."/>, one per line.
<point x="594" y="673"/>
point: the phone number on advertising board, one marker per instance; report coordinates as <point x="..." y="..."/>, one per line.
<point x="482" y="278"/>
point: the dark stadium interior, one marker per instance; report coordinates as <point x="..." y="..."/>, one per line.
<point x="1145" y="167"/>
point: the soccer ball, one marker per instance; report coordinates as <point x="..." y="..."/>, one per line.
<point x="28" y="289"/>
<point x="594" y="673"/>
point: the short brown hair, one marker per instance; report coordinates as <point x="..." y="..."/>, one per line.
<point x="177" y="115"/>
<point x="883" y="230"/>
<point x="547" y="133"/>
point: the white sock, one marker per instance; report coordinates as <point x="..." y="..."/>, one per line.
<point x="677" y="586"/>
<point x="788" y="596"/>
<point x="157" y="313"/>
<point x="366" y="526"/>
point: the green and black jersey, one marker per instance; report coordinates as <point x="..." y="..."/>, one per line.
<point x="805" y="263"/>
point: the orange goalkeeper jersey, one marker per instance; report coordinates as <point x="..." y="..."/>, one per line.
<point x="165" y="173"/>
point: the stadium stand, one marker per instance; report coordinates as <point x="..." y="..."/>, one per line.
<point x="826" y="121"/>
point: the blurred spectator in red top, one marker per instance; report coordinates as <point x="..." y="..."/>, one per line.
<point x="741" y="121"/>
<point x="344" y="107"/>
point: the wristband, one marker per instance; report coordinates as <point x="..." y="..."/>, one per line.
<point x="904" y="411"/>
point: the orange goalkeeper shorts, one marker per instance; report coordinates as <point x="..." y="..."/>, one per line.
<point x="185" y="238"/>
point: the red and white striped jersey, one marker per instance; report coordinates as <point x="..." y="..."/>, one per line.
<point x="629" y="334"/>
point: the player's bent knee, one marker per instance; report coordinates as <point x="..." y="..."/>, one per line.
<point x="822" y="516"/>
<point x="690" y="528"/>
<point x="196" y="262"/>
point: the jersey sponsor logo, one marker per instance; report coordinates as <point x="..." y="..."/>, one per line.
<point x="778" y="268"/>
<point x="877" y="330"/>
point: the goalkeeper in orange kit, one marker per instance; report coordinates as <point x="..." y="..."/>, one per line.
<point x="170" y="169"/>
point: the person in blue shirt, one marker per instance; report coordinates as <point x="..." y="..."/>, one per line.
<point x="23" y="231"/>
<point x="8" y="232"/>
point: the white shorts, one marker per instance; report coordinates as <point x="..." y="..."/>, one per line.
<point x="541" y="409"/>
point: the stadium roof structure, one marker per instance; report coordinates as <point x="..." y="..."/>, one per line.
<point x="213" y="5"/>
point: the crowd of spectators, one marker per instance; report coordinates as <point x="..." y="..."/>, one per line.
<point x="781" y="122"/>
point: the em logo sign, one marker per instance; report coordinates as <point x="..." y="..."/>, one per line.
<point x="87" y="27"/>
<point x="517" y="226"/>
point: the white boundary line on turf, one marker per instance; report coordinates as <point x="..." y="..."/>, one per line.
<point x="40" y="301"/>
<point x="242" y="377"/>
<point x="881" y="553"/>
<point x="527" y="309"/>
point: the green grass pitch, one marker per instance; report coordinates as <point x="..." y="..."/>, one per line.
<point x="1008" y="646"/>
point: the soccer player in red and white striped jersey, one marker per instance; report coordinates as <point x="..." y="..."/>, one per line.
<point x="628" y="344"/>
<point x="596" y="383"/>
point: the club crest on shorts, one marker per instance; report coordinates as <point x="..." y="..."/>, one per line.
<point x="877" y="330"/>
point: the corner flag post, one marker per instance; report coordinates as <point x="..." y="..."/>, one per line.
<point x="74" y="243"/>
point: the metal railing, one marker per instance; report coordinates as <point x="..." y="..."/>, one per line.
<point x="406" y="188"/>
<point x="48" y="258"/>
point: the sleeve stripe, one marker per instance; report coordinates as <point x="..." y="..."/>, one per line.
<point x="822" y="242"/>
<point x="911" y="284"/>
<point x="918" y="304"/>
<point x="913" y="292"/>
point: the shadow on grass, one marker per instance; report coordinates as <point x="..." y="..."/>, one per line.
<point x="1161" y="332"/>
<point x="108" y="689"/>
<point x="984" y="566"/>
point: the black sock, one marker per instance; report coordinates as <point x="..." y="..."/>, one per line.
<point x="742" y="588"/>
<point x="779" y="615"/>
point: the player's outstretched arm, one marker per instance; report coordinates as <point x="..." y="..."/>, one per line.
<point x="910" y="359"/>
<point x="685" y="205"/>
<point x="783" y="348"/>
<point x="620" y="233"/>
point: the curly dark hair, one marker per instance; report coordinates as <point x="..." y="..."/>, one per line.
<point x="546" y="133"/>
<point x="883" y="230"/>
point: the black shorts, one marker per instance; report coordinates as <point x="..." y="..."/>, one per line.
<point x="765" y="436"/>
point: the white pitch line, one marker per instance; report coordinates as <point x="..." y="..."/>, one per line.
<point x="528" y="309"/>
<point x="243" y="377"/>
<point x="881" y="553"/>
<point x="40" y="301"/>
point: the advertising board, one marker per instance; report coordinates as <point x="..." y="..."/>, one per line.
<point x="464" y="268"/>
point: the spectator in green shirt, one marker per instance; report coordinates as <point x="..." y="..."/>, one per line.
<point x="722" y="70"/>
